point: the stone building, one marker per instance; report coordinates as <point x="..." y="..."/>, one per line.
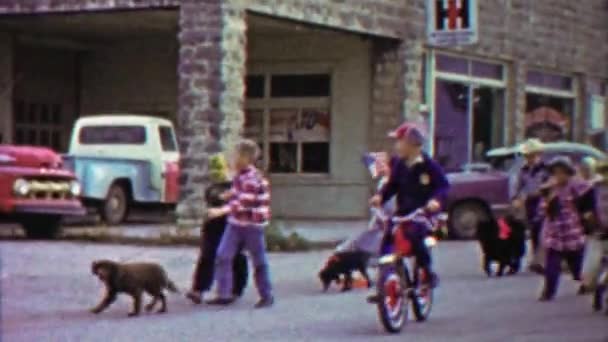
<point x="316" y="82"/>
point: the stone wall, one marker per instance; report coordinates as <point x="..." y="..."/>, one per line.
<point x="211" y="89"/>
<point x="41" y="6"/>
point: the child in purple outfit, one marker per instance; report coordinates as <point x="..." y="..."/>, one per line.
<point x="562" y="232"/>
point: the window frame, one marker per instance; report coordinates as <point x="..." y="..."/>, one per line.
<point x="267" y="103"/>
<point x="433" y="74"/>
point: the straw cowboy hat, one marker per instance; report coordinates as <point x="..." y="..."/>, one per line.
<point x="530" y="146"/>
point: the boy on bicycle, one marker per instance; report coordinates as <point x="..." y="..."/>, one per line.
<point x="419" y="183"/>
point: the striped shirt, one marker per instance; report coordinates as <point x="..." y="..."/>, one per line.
<point x="250" y="199"/>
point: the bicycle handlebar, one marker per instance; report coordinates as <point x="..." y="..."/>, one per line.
<point x="397" y="219"/>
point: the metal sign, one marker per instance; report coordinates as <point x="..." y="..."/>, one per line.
<point x="452" y="22"/>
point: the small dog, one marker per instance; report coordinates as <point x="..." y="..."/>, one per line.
<point x="133" y="279"/>
<point x="502" y="241"/>
<point x="344" y="263"/>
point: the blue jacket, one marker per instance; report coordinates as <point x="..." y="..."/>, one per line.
<point x="415" y="185"/>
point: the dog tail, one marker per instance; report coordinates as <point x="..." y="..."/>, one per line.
<point x="171" y="286"/>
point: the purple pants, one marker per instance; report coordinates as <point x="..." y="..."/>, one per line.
<point x="553" y="268"/>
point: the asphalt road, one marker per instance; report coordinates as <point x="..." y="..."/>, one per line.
<point x="47" y="289"/>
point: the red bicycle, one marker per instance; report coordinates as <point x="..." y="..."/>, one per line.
<point x="400" y="280"/>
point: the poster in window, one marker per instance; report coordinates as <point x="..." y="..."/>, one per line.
<point x="314" y="126"/>
<point x="283" y="125"/>
<point x="254" y="124"/>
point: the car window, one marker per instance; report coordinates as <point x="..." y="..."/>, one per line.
<point x="112" y="135"/>
<point x="167" y="139"/>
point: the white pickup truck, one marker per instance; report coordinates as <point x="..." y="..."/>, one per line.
<point x="123" y="161"/>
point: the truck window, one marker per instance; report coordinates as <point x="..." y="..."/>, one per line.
<point x="110" y="135"/>
<point x="167" y="139"/>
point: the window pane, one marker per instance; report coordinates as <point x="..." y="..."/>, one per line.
<point x="254" y="124"/>
<point x="488" y="121"/>
<point x="314" y="125"/>
<point x="317" y="85"/>
<point x="19" y="112"/>
<point x="552" y="81"/>
<point x="44" y="114"/>
<point x="56" y="115"/>
<point x="283" y="125"/>
<point x="452" y="64"/>
<point x="19" y="137"/>
<point x="167" y="139"/>
<point x="549" y="118"/>
<point x="283" y="157"/>
<point x="315" y="157"/>
<point x="31" y="137"/>
<point x="112" y="135"/>
<point x="254" y="86"/>
<point x="45" y="139"/>
<point x="487" y="70"/>
<point x="56" y="141"/>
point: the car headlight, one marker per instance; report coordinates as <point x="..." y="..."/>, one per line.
<point x="21" y="187"/>
<point x="75" y="188"/>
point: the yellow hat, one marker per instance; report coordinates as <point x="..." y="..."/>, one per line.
<point x="530" y="146"/>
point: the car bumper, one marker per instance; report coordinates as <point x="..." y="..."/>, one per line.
<point x="44" y="207"/>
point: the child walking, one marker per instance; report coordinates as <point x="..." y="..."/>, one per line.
<point x="248" y="212"/>
<point x="562" y="232"/>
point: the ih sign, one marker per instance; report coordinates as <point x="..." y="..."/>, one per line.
<point x="451" y="22"/>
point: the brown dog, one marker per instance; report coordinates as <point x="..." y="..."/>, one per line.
<point x="132" y="279"/>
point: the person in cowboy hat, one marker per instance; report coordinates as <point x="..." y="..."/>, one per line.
<point x="532" y="174"/>
<point x="562" y="232"/>
<point x="418" y="182"/>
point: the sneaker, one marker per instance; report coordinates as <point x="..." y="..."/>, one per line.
<point x="220" y="301"/>
<point x="545" y="298"/>
<point x="264" y="303"/>
<point x="373" y="298"/>
<point x="195" y="297"/>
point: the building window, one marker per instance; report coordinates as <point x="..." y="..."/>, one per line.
<point x="550" y="106"/>
<point x="38" y="124"/>
<point x="468" y="109"/>
<point x="290" y="122"/>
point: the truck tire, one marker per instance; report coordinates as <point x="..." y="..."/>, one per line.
<point x="42" y="227"/>
<point x="115" y="207"/>
<point x="464" y="218"/>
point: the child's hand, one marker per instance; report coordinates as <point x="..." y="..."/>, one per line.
<point x="216" y="212"/>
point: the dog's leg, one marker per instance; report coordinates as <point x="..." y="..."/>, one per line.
<point x="136" y="303"/>
<point x="487" y="265"/>
<point x="152" y="303"/>
<point x="163" y="303"/>
<point x="501" y="268"/>
<point x="515" y="266"/>
<point x="363" y="271"/>
<point x="348" y="281"/>
<point x="109" y="298"/>
<point x="598" y="298"/>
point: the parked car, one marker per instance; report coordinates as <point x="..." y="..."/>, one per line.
<point x="35" y="191"/>
<point x="124" y="161"/>
<point x="482" y="189"/>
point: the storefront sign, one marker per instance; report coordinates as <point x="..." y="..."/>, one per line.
<point x="452" y="22"/>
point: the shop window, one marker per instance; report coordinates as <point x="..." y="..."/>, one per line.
<point x="294" y="135"/>
<point x="549" y="81"/>
<point x="548" y="117"/>
<point x="487" y="70"/>
<point x="451" y="64"/>
<point x="255" y="86"/>
<point x="314" y="85"/>
<point x="38" y="124"/>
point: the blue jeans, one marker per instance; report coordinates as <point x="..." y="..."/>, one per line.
<point x="252" y="240"/>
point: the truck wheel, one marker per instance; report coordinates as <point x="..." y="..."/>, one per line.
<point x="464" y="219"/>
<point x="46" y="228"/>
<point x="114" y="208"/>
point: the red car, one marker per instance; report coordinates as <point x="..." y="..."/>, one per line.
<point x="36" y="191"/>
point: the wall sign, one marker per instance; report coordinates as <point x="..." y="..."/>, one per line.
<point x="451" y="22"/>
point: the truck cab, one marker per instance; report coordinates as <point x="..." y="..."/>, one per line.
<point x="36" y="191"/>
<point x="123" y="161"/>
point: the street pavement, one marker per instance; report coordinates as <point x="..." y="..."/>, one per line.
<point x="47" y="288"/>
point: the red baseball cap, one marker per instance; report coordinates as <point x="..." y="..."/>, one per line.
<point x="411" y="132"/>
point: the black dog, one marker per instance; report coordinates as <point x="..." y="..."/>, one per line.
<point x="344" y="263"/>
<point x="505" y="249"/>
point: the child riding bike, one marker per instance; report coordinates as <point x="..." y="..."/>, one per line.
<point x="419" y="183"/>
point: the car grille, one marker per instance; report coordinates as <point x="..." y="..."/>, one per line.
<point x="49" y="190"/>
